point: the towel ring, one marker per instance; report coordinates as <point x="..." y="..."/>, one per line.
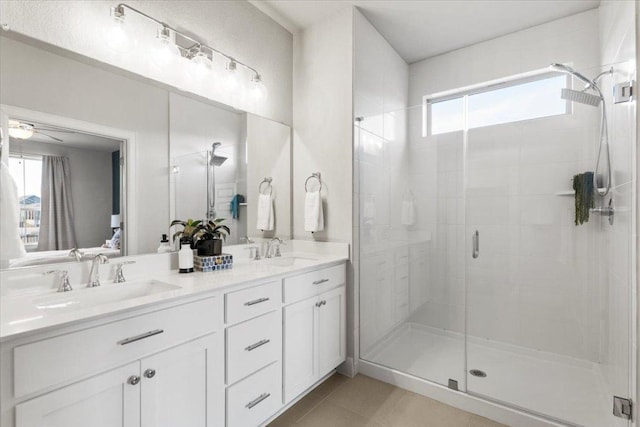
<point x="315" y="175"/>
<point x="267" y="181"/>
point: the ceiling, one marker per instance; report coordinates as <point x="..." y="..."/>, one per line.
<point x="420" y="29"/>
<point x="70" y="138"/>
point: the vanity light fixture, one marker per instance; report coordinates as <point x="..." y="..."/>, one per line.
<point x="165" y="49"/>
<point x="176" y="44"/>
<point x="200" y="65"/>
<point x="20" y="130"/>
<point x="116" y="36"/>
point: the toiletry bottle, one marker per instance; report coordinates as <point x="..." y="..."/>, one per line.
<point x="164" y="247"/>
<point x="185" y="257"/>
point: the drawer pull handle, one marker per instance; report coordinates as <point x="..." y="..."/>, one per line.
<point x="321" y="281"/>
<point x="321" y="303"/>
<point x="150" y="373"/>
<point x="257" y="400"/>
<point x="133" y="379"/>
<point x="256" y="301"/>
<point x="258" y="344"/>
<point x="140" y="337"/>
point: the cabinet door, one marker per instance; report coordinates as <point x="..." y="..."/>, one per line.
<point x="300" y="363"/>
<point x="106" y="400"/>
<point x="331" y="330"/>
<point x="179" y="385"/>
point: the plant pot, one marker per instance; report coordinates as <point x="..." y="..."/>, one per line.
<point x="209" y="247"/>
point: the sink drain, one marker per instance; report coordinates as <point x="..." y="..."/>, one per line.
<point x="478" y="373"/>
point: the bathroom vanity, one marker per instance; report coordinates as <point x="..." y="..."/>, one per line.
<point x="229" y="348"/>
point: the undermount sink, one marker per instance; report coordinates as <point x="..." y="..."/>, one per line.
<point x="88" y="297"/>
<point x="291" y="260"/>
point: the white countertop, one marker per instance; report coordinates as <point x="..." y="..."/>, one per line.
<point x="19" y="314"/>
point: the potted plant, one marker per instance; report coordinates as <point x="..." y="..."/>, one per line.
<point x="209" y="237"/>
<point x="189" y="230"/>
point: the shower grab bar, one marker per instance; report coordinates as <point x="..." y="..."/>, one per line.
<point x="315" y="175"/>
<point x="267" y="181"/>
<point x="476" y="244"/>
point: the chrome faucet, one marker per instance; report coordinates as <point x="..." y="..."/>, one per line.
<point x="75" y="253"/>
<point x="94" y="274"/>
<point x="277" y="241"/>
<point x="119" y="276"/>
<point x="64" y="285"/>
<point x="248" y="240"/>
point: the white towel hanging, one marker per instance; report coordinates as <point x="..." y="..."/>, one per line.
<point x="313" y="214"/>
<point x="265" y="213"/>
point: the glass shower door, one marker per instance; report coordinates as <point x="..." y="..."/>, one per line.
<point x="548" y="302"/>
<point x="409" y="189"/>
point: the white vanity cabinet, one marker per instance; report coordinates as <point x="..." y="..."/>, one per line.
<point x="166" y="389"/>
<point x="160" y="368"/>
<point x="314" y="328"/>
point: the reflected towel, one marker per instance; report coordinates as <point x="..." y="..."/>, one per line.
<point x="313" y="215"/>
<point x="265" y="213"/>
<point x="11" y="246"/>
<point x="584" y="197"/>
<point x="408" y="215"/>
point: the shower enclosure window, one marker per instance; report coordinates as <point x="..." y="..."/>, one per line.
<point x="472" y="272"/>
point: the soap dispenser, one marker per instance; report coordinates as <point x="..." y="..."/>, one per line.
<point x="185" y="257"/>
<point x="164" y="247"/>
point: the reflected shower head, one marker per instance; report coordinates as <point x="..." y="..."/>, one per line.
<point x="566" y="69"/>
<point x="216" y="160"/>
<point x="581" y="97"/>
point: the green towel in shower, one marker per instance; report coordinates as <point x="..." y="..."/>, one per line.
<point x="583" y="186"/>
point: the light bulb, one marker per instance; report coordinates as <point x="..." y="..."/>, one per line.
<point x="116" y="34"/>
<point x="258" y="89"/>
<point x="200" y="65"/>
<point x="165" y="50"/>
<point x="20" y="130"/>
<point x="231" y="79"/>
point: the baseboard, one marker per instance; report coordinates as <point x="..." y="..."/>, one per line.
<point x="348" y="368"/>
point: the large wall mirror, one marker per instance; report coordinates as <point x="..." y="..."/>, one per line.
<point x="102" y="160"/>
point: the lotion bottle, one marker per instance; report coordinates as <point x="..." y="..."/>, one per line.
<point x="185" y="257"/>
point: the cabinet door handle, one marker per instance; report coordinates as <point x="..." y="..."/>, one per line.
<point x="140" y="337"/>
<point x="257" y="400"/>
<point x="321" y="303"/>
<point x="256" y="301"/>
<point x="258" y="344"/>
<point x="133" y="379"/>
<point x="150" y="373"/>
<point x="321" y="281"/>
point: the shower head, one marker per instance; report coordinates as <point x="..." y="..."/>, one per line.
<point x="566" y="69"/>
<point x="581" y="97"/>
<point x="214" y="159"/>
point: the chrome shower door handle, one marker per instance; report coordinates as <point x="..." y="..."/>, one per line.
<point x="475" y="244"/>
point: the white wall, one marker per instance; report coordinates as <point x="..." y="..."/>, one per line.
<point x="323" y="131"/>
<point x="39" y="80"/>
<point x="91" y="192"/>
<point x="234" y="27"/>
<point x="532" y="284"/>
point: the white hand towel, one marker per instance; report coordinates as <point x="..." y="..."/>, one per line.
<point x="313" y="215"/>
<point x="408" y="213"/>
<point x="265" y="215"/>
<point x="10" y="243"/>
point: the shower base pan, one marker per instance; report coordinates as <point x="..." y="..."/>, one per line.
<point x="559" y="387"/>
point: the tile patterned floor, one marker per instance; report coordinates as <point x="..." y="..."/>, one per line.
<point x="363" y="401"/>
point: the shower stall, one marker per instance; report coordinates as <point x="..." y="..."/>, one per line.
<point x="472" y="272"/>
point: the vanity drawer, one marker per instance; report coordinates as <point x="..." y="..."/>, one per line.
<point x="253" y="400"/>
<point x="252" y="302"/>
<point x="75" y="355"/>
<point x="253" y="345"/>
<point x="306" y="285"/>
